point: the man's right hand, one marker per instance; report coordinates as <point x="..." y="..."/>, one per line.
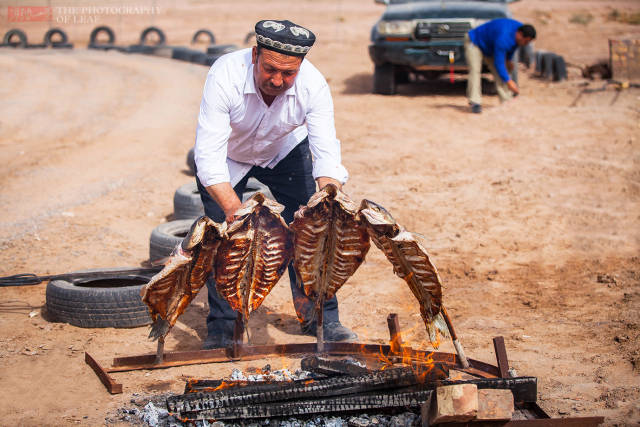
<point x="226" y="198"/>
<point x="513" y="87"/>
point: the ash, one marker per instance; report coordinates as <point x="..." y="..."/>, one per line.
<point x="152" y="410"/>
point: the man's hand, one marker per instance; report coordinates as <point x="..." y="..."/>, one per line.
<point x="513" y="87"/>
<point x="324" y="180"/>
<point x="226" y="198"/>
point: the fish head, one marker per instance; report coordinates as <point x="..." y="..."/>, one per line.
<point x="378" y="218"/>
<point x="196" y="233"/>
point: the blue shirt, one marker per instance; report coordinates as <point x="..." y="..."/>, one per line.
<point x="497" y="38"/>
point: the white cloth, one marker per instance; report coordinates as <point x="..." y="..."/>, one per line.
<point x="237" y="130"/>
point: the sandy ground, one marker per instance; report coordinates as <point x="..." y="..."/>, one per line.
<point x="531" y="210"/>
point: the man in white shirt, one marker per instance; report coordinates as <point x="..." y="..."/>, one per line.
<point x="267" y="113"/>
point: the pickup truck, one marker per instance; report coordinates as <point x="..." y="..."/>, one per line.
<point x="425" y="38"/>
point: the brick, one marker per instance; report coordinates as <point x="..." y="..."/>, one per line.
<point x="454" y="403"/>
<point x="624" y="59"/>
<point x="495" y="405"/>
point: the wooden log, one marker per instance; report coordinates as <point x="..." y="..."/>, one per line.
<point x="324" y="366"/>
<point x="295" y="390"/>
<point x="351" y="403"/>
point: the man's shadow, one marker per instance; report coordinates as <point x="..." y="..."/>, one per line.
<point x="362" y="84"/>
<point x="195" y="316"/>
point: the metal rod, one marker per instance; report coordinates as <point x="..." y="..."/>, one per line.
<point x="160" y="351"/>
<point x="394" y="333"/>
<point x="238" y="331"/>
<point x="319" y="324"/>
<point x="456" y="344"/>
<point x="501" y="356"/>
<point x="112" y="386"/>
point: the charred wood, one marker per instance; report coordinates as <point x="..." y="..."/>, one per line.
<point x="337" y="404"/>
<point x="328" y="367"/>
<point x="250" y="394"/>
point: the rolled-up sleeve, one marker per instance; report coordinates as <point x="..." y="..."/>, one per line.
<point x="325" y="147"/>
<point x="212" y="134"/>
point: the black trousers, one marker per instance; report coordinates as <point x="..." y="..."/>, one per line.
<point x="292" y="184"/>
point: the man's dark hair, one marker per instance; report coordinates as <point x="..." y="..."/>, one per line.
<point x="528" y="31"/>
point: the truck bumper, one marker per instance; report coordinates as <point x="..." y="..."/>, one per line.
<point x="419" y="55"/>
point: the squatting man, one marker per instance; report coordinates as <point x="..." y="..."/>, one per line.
<point x="267" y="113"/>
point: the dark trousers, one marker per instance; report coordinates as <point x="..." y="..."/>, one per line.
<point x="292" y="184"/>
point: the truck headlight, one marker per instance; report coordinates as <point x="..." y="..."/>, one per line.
<point x="395" y="28"/>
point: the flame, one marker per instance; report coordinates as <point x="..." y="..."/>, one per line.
<point x="307" y="382"/>
<point x="224" y="385"/>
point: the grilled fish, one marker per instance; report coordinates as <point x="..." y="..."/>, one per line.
<point x="256" y="252"/>
<point x="169" y="292"/>
<point x="410" y="262"/>
<point x="329" y="243"/>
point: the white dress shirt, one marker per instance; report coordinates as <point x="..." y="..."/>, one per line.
<point x="237" y="130"/>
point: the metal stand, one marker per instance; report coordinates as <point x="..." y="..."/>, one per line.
<point x="319" y="324"/>
<point x="160" y="350"/>
<point x="239" y="351"/>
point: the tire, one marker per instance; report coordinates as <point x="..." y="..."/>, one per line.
<point x="559" y="68"/>
<point x="187" y="203"/>
<point x="140" y="48"/>
<point x="182" y="54"/>
<point x="253" y="186"/>
<point x="22" y="38"/>
<point x="199" y="58"/>
<point x="191" y="161"/>
<point x="538" y="59"/>
<point x="48" y="37"/>
<point x="161" y="37"/>
<point x="165" y="237"/>
<point x="547" y="65"/>
<point x="109" y="302"/>
<point x="209" y="34"/>
<point x="384" y="79"/>
<point x="526" y="55"/>
<point x="93" y="38"/>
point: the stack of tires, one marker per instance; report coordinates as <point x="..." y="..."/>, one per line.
<point x="187" y="207"/>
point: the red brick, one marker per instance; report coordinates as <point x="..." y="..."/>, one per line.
<point x="495" y="405"/>
<point x="454" y="403"/>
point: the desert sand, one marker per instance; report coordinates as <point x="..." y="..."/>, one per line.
<point x="531" y="210"/>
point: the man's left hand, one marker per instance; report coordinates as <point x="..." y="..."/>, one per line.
<point x="324" y="180"/>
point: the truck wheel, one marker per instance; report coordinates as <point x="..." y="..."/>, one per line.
<point x="384" y="79"/>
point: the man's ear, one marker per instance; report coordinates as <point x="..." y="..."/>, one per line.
<point x="254" y="55"/>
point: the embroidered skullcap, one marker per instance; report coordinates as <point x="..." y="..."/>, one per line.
<point x="284" y="37"/>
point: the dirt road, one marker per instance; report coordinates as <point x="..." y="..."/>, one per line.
<point x="531" y="209"/>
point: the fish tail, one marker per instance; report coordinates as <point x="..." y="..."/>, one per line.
<point x="160" y="328"/>
<point x="436" y="327"/>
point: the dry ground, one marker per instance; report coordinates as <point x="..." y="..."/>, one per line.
<point x="531" y="209"/>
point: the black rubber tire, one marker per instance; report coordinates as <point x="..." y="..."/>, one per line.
<point x="197" y="34"/>
<point x="15" y="33"/>
<point x="547" y="65"/>
<point x="538" y="61"/>
<point x="182" y="54"/>
<point x="253" y="186"/>
<point x="191" y="161"/>
<point x="161" y="37"/>
<point x="93" y="37"/>
<point x="211" y="59"/>
<point x="140" y="48"/>
<point x="165" y="237"/>
<point x="221" y="49"/>
<point x="526" y="55"/>
<point x="384" y="79"/>
<point x="48" y="37"/>
<point x="187" y="203"/>
<point x="98" y="303"/>
<point x="199" y="58"/>
<point x="559" y="68"/>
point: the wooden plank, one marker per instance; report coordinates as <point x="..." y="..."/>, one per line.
<point x="112" y="386"/>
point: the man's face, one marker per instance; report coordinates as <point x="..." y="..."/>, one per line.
<point x="522" y="40"/>
<point x="274" y="72"/>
